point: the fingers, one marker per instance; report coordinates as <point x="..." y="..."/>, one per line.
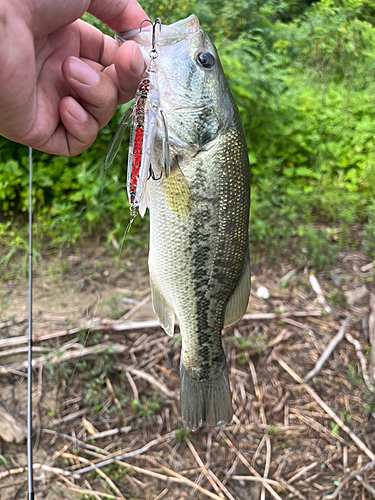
<point x="97" y="96"/>
<point x="120" y="15"/>
<point x="78" y="130"/>
<point x="127" y="71"/>
<point x="96" y="92"/>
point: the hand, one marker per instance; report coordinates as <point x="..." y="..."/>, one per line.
<point x="61" y="79"/>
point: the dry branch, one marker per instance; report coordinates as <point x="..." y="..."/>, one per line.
<point x="146" y="376"/>
<point x="118" y="456"/>
<point x="362" y="360"/>
<point x="328" y="351"/>
<point x="319" y="293"/>
<point x="360" y="444"/>
<point x="264" y="316"/>
<point x="348" y="478"/>
<point x="371" y="328"/>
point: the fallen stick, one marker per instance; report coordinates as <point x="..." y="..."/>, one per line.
<point x="347" y="478"/>
<point x="360" y="444"/>
<point x="76" y="441"/>
<point x="179" y="478"/>
<point x="329" y="350"/>
<point x="116" y="457"/>
<point x="362" y="360"/>
<point x="214" y="483"/>
<point x="100" y="472"/>
<point x="110" y="432"/>
<point x="69" y="356"/>
<point x="108" y="325"/>
<point x="134" y="309"/>
<point x="319" y="293"/>
<point x="47" y="468"/>
<point x="267" y="482"/>
<point x="146" y="376"/>
<point x="12" y="322"/>
<point x="263" y="316"/>
<point x="365" y="484"/>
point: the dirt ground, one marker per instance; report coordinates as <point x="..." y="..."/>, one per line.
<point x="106" y="386"/>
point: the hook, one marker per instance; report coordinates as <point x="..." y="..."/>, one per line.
<point x="153" y="52"/>
<point x="151" y="175"/>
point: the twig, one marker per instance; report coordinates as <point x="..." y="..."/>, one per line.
<point x="319" y="292"/>
<point x="371" y="329"/>
<point x="91" y="489"/>
<point x="99" y="471"/>
<point x="361" y="445"/>
<point x="367" y="267"/>
<point x="266" y="482"/>
<point x="176" y="477"/>
<point x="112" y="392"/>
<point x="94" y="325"/>
<point x="366" y="486"/>
<point x="20" y="470"/>
<point x="161" y="494"/>
<point x="110" y="432"/>
<point x="329" y="349"/>
<point x="71" y="355"/>
<point x="263" y="316"/>
<point x="68" y="418"/>
<point x="146" y="376"/>
<point x="256" y="479"/>
<point x="21" y="350"/>
<point x="264" y="422"/>
<point x="76" y="441"/>
<point x="288" y="275"/>
<point x="135" y="308"/>
<point x="302" y="471"/>
<point x="48" y="336"/>
<point x="362" y="360"/>
<point x="347" y="478"/>
<point x="116" y="457"/>
<point x="12" y="322"/>
<point x="132" y="385"/>
<point x="215" y="483"/>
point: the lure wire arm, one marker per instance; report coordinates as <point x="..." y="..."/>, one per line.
<point x="30" y="342"/>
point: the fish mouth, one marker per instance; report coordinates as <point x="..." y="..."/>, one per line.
<point x="169" y="34"/>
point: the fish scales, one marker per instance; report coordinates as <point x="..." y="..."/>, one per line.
<point x="198" y="260"/>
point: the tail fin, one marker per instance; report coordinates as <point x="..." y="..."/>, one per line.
<point x="207" y="401"/>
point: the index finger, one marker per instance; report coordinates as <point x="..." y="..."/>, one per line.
<point x="123" y="15"/>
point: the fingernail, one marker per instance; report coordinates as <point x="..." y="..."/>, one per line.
<point x="77" y="111"/>
<point x="82" y="72"/>
<point x="137" y="63"/>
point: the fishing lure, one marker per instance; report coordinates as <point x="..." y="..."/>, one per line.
<point x="146" y="117"/>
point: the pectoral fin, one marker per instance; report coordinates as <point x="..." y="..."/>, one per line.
<point x="162" y="309"/>
<point x="239" y="299"/>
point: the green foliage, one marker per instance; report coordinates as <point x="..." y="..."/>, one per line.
<point x="302" y="74"/>
<point x="353" y="378"/>
<point x="256" y="344"/>
<point x="182" y="435"/>
<point x="146" y="408"/>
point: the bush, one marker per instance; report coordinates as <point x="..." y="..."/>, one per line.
<point x="304" y="89"/>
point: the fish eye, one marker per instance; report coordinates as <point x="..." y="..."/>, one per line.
<point x="205" y="59"/>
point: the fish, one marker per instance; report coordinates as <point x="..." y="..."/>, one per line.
<point x="199" y="263"/>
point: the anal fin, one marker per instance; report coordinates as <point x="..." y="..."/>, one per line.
<point x="237" y="304"/>
<point x="162" y="309"/>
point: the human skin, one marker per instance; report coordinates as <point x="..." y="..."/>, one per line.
<point x="61" y="79"/>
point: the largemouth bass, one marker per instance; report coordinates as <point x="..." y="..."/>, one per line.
<point x="199" y="257"/>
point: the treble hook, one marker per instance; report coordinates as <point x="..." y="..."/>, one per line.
<point x="151" y="175"/>
<point x="153" y="52"/>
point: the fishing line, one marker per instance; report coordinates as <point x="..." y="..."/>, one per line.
<point x="30" y="342"/>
